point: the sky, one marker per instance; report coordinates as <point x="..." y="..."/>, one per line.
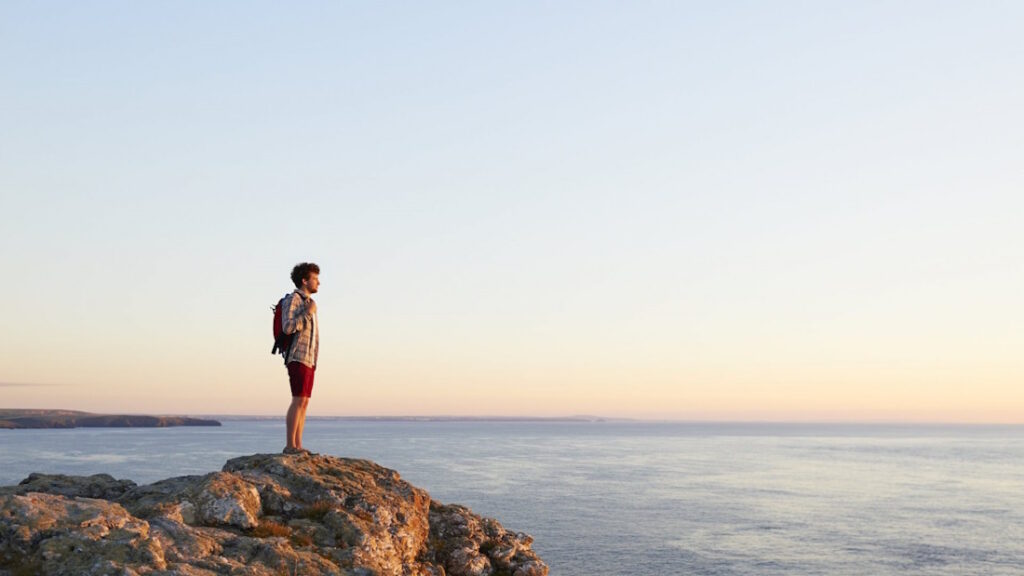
<point x="805" y="211"/>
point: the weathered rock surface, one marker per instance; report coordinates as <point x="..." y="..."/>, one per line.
<point x="266" y="514"/>
<point x="102" y="486"/>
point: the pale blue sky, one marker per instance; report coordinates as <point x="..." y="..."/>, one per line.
<point x="776" y="210"/>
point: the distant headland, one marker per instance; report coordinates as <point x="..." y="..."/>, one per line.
<point x="23" y="418"/>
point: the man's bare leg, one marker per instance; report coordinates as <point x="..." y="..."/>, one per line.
<point x="292" y="423"/>
<point x="301" y="422"/>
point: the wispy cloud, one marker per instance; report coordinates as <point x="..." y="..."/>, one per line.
<point x="27" y="385"/>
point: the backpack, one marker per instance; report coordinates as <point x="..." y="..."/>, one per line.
<point x="282" y="341"/>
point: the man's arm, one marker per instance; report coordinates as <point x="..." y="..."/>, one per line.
<point x="295" y="317"/>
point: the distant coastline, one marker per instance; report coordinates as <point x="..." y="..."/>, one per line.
<point x="435" y="418"/>
<point x="12" y="419"/>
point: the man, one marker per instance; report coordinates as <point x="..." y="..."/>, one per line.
<point x="298" y="317"/>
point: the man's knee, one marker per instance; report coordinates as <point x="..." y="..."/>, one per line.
<point x="305" y="402"/>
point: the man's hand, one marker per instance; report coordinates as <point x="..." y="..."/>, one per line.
<point x="311" y="306"/>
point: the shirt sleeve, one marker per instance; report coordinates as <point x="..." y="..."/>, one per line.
<point x="295" y="318"/>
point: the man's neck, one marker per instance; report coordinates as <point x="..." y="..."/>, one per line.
<point x="304" y="292"/>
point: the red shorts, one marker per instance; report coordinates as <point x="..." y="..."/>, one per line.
<point x="300" y="377"/>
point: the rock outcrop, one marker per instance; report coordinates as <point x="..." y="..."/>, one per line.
<point x="266" y="514"/>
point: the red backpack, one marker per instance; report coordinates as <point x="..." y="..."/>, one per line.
<point x="282" y="341"/>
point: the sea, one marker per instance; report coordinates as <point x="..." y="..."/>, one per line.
<point x="643" y="498"/>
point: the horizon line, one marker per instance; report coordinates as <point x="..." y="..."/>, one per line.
<point x="583" y="418"/>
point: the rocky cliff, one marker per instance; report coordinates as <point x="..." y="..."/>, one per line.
<point x="266" y="514"/>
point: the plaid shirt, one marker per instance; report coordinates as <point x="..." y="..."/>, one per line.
<point x="295" y="319"/>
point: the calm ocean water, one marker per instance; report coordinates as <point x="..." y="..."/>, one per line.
<point x="646" y="498"/>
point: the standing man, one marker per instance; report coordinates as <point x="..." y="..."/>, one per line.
<point x="299" y="318"/>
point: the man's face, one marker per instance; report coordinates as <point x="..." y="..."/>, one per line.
<point x="312" y="284"/>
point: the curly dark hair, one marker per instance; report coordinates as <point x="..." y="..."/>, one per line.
<point x="302" y="272"/>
